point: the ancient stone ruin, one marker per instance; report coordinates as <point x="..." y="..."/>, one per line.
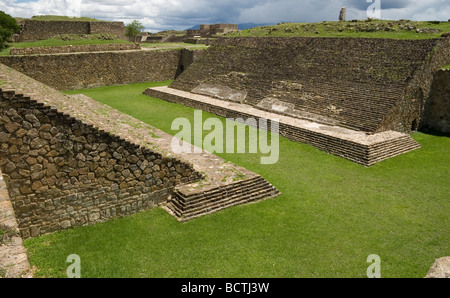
<point x="69" y="161"/>
<point x="67" y="165"/>
<point x="33" y="30"/>
<point x="74" y="49"/>
<point x="356" y="98"/>
<point x="343" y="14"/>
<point x="212" y="30"/>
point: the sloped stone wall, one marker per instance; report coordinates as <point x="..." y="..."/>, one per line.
<point x="75" y="49"/>
<point x="115" y="28"/>
<point x="89" y="70"/>
<point x="63" y="173"/>
<point x="355" y="81"/>
<point x="33" y="30"/>
<point x="408" y="112"/>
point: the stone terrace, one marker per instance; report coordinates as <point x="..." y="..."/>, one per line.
<point x="357" y="146"/>
<point x="354" y="81"/>
<point x="218" y="176"/>
<point x="75" y="49"/>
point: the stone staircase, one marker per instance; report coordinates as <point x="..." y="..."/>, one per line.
<point x="355" y="81"/>
<point x="186" y="204"/>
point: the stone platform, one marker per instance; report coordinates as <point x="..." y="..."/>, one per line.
<point x="222" y="185"/>
<point x="357" y="146"/>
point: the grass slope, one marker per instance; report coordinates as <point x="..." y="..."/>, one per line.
<point x="332" y="215"/>
<point x="372" y="29"/>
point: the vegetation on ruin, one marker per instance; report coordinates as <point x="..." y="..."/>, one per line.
<point x="67" y="39"/>
<point x="63" y="18"/>
<point x="446" y="67"/>
<point x="332" y="215"/>
<point x="6" y="234"/>
<point x="8" y="26"/>
<point x="403" y="29"/>
<point x="133" y="29"/>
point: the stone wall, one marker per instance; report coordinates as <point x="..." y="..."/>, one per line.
<point x="75" y="49"/>
<point x="39" y="30"/>
<point x="89" y="70"/>
<point x="33" y="30"/>
<point x="437" y="111"/>
<point x="353" y="81"/>
<point x="115" y="28"/>
<point x="63" y="173"/>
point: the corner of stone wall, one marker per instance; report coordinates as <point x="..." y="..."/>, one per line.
<point x="407" y="114"/>
<point x="62" y="173"/>
<point x="436" y="115"/>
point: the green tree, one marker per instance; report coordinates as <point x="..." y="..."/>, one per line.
<point x="8" y="26"/>
<point x="134" y="29"/>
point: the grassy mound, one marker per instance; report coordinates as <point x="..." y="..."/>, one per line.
<point x="402" y="29"/>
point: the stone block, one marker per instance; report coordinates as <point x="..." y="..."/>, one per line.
<point x="221" y="92"/>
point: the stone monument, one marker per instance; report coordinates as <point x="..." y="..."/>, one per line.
<point x="343" y="14"/>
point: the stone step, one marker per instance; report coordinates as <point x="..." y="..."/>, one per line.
<point x="219" y="197"/>
<point x="392" y="154"/>
<point x="197" y="197"/>
<point x="393" y="147"/>
<point x="221" y="200"/>
<point x="238" y="200"/>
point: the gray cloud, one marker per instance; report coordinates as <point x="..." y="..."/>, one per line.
<point x="385" y="4"/>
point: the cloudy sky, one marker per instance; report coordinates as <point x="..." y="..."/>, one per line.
<point x="157" y="15"/>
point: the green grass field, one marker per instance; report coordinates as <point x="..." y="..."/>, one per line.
<point x="361" y="29"/>
<point x="332" y="215"/>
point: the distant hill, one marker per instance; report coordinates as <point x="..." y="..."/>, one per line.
<point x="243" y="26"/>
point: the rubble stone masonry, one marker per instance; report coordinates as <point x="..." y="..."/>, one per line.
<point x="437" y="112"/>
<point x="63" y="173"/>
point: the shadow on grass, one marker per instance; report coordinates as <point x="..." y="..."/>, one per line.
<point x="435" y="133"/>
